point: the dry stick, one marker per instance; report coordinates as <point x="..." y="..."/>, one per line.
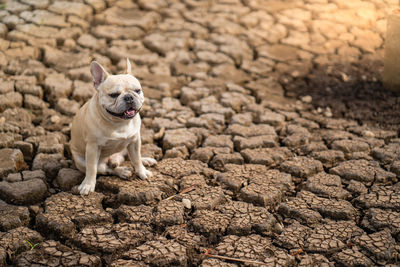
<point x="159" y="134"/>
<point x="184" y="191"/>
<point x="232" y="259"/>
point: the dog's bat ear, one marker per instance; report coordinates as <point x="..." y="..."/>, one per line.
<point x="98" y="72"/>
<point x="128" y="66"/>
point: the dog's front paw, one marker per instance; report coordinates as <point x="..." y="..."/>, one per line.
<point x="123" y="172"/>
<point x="144" y="174"/>
<point x="87" y="186"/>
<point x="148" y="161"/>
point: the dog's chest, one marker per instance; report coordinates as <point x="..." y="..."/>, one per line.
<point x="111" y="146"/>
<point x="121" y="136"/>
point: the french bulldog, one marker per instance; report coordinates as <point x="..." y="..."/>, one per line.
<point x="108" y="126"/>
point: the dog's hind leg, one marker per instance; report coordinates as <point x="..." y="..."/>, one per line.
<point x="117" y="159"/>
<point x="103" y="167"/>
<point x="120" y="171"/>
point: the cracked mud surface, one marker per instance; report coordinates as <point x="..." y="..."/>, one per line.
<point x="245" y="170"/>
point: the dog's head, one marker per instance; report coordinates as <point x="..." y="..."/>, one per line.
<point x="119" y="95"/>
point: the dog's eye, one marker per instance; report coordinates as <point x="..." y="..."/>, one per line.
<point x="137" y="91"/>
<point x="114" y="95"/>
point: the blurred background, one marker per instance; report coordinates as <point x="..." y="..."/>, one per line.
<point x="331" y="50"/>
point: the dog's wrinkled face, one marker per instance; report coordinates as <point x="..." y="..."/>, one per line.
<point x="120" y="95"/>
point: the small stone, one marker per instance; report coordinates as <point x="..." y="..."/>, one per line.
<point x="187" y="203"/>
<point x="328" y="112"/>
<point x="306" y="99"/>
<point x="368" y="134"/>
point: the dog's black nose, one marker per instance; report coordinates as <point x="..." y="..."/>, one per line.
<point x="128" y="98"/>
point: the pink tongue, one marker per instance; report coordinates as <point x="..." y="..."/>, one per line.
<point x="130" y="112"/>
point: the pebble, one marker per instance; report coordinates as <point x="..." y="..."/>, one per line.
<point x="368" y="134"/>
<point x="306" y="99"/>
<point x="328" y="112"/>
<point x="187" y="203"/>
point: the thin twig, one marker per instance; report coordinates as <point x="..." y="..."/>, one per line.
<point x="297" y="252"/>
<point x="187" y="190"/>
<point x="184" y="191"/>
<point x="232" y="259"/>
<point x="159" y="134"/>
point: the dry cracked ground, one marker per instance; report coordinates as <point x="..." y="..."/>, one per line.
<point x="246" y="175"/>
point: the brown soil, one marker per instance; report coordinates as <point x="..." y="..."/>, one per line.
<point x="353" y="91"/>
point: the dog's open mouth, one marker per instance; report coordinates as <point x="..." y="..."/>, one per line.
<point x="131" y="112"/>
<point x="127" y="114"/>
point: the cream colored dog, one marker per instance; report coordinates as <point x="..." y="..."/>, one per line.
<point x="107" y="125"/>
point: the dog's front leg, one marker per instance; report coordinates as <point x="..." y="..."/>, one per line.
<point x="136" y="158"/>
<point x="92" y="158"/>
